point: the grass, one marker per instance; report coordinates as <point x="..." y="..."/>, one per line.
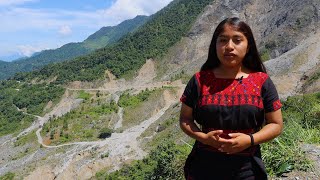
<point x="138" y="108"/>
<point x="7" y="176"/>
<point x="29" y="138"/>
<point x="84" y="95"/>
<point x="301" y="125"/>
<point x="83" y="123"/>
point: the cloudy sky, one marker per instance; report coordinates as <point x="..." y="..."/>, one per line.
<point x="29" y="26"/>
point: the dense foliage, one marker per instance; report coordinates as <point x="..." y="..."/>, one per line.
<point x="35" y="97"/>
<point x="153" y="39"/>
<point x="103" y="37"/>
<point x="10" y="118"/>
<point x="16" y="97"/>
<point x="109" y="35"/>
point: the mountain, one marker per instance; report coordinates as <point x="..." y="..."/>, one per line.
<point x="3" y="62"/>
<point x="152" y="40"/>
<point x="109" y="35"/>
<point x="99" y="125"/>
<point x="12" y="57"/>
<point x="280" y="28"/>
<point x="101" y="38"/>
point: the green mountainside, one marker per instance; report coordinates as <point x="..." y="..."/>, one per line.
<point x="109" y="35"/>
<point x="86" y="130"/>
<point x="4" y="65"/>
<point x="152" y="40"/>
<point x="101" y="38"/>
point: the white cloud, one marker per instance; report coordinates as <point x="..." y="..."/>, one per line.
<point x="65" y="30"/>
<point x="45" y="25"/>
<point x="18" y="19"/>
<point x="28" y="50"/>
<point x="126" y="9"/>
<point x="14" y="2"/>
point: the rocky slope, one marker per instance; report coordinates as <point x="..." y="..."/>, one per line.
<point x="278" y="27"/>
<point x="286" y="30"/>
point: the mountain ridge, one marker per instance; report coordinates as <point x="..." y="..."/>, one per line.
<point x="103" y="37"/>
<point x="91" y="159"/>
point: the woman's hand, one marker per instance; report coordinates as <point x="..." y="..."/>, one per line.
<point x="237" y="143"/>
<point x="213" y="139"/>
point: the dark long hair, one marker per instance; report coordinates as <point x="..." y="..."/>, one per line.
<point x="251" y="60"/>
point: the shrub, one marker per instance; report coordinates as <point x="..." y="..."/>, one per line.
<point x="105" y="133"/>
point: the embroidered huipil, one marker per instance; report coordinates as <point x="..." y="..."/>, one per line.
<point x="233" y="105"/>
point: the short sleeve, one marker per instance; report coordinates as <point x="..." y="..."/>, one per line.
<point x="190" y="94"/>
<point x="271" y="101"/>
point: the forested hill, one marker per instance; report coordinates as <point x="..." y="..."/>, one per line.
<point x="152" y="40"/>
<point x="111" y="34"/>
<point x="101" y="38"/>
<point x="3" y="62"/>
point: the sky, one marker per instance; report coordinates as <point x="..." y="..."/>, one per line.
<point x="29" y="26"/>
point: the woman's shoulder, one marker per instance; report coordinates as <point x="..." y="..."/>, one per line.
<point x="204" y="73"/>
<point x="259" y="76"/>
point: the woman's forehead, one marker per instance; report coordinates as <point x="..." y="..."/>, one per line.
<point x="230" y="30"/>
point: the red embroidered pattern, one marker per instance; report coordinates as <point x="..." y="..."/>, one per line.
<point x="183" y="98"/>
<point x="277" y="105"/>
<point x="229" y="92"/>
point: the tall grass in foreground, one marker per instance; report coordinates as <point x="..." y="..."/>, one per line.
<point x="301" y="126"/>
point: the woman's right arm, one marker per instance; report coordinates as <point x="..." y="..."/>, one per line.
<point x="188" y="126"/>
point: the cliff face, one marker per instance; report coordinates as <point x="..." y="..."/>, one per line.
<point x="285" y="32"/>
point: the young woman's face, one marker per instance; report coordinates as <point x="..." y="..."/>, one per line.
<point x="231" y="47"/>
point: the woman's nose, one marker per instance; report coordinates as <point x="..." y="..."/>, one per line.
<point x="230" y="45"/>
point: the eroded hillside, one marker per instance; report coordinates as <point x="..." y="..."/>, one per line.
<point x="106" y="123"/>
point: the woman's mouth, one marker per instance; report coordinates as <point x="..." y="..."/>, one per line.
<point x="229" y="55"/>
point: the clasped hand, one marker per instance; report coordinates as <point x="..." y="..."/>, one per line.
<point x="228" y="143"/>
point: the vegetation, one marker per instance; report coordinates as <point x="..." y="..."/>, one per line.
<point x="103" y="37"/>
<point x="7" y="176"/>
<point x="16" y="97"/>
<point x="139" y="107"/>
<point x="281" y="155"/>
<point x="315" y="77"/>
<point x="151" y="40"/>
<point x="127" y="100"/>
<point x="110" y="35"/>
<point x="183" y="76"/>
<point x="164" y="162"/>
<point x="89" y="122"/>
<point x="265" y="54"/>
<point x="34" y="97"/>
<point x="84" y="95"/>
<point x="105" y="133"/>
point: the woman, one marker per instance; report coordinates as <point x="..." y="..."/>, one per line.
<point x="235" y="103"/>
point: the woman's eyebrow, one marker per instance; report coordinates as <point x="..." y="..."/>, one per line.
<point x="234" y="36"/>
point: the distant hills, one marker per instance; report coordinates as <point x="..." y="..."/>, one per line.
<point x="152" y="40"/>
<point x="101" y="38"/>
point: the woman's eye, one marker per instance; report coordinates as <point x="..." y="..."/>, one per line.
<point x="223" y="40"/>
<point x="237" y="41"/>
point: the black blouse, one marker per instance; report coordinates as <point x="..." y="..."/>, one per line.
<point x="233" y="105"/>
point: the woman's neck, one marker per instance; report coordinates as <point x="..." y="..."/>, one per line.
<point x="231" y="72"/>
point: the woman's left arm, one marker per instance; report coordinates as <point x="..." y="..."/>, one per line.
<point x="272" y="129"/>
